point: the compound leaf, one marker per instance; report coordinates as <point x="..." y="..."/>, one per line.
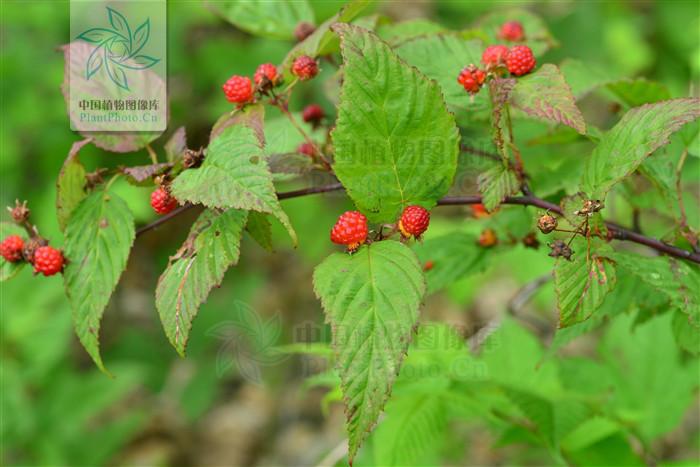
<point x="396" y="144"/>
<point x="371" y="300"/>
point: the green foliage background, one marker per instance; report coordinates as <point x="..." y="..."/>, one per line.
<point x="58" y="409"/>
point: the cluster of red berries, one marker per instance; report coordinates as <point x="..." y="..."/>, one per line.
<point x="518" y="60"/>
<point x="47" y="260"/>
<point x="240" y="90"/>
<point x="351" y="228"/>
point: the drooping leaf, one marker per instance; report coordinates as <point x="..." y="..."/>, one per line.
<point x="583" y="283"/>
<point x="260" y="229"/>
<point x="371" y="300"/>
<point x="496" y="184"/>
<point x="99" y="236"/>
<point x="545" y="95"/>
<point x="234" y="174"/>
<point x="275" y="20"/>
<point x="395" y="142"/>
<point x="442" y="57"/>
<point x="322" y="41"/>
<point x="640" y="132"/>
<point x="212" y="246"/>
<point x="451" y="257"/>
<point x="70" y="186"/>
<point x="9" y="270"/>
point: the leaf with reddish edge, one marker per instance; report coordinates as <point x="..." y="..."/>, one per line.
<point x="70" y="186"/>
<point x="545" y="95"/>
<point x="252" y="116"/>
<point x="176" y="145"/>
<point x="142" y="173"/>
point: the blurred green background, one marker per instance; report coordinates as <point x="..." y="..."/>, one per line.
<point x="208" y="409"/>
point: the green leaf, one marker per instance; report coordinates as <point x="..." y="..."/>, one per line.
<point x="260" y="229"/>
<point x="275" y="20"/>
<point x="583" y="283"/>
<point x="414" y="427"/>
<point x="395" y="142"/>
<point x="371" y="300"/>
<point x="322" y="41"/>
<point x="453" y="256"/>
<point x="396" y="33"/>
<point x="212" y="246"/>
<point x="99" y="236"/>
<point x="677" y="280"/>
<point x="640" y="132"/>
<point x="234" y="174"/>
<point x="686" y="333"/>
<point x="9" y="270"/>
<point x="545" y="95"/>
<point x="537" y="36"/>
<point x="633" y="93"/>
<point x="442" y="57"/>
<point x="496" y="184"/>
<point x="584" y="78"/>
<point x="70" y="186"/>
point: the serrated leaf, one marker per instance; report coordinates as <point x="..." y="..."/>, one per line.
<point x="496" y="184"/>
<point x="322" y="41"/>
<point x="99" y="236"/>
<point x="234" y="174"/>
<point x="142" y="173"/>
<point x="677" y="280"/>
<point x="212" y="246"/>
<point x="371" y="300"/>
<point x="640" y="132"/>
<point x="275" y="20"/>
<point x="260" y="229"/>
<point x="583" y="283"/>
<point x="70" y="186"/>
<point x="442" y="57"/>
<point x="395" y="142"/>
<point x="452" y="257"/>
<point x="9" y="270"/>
<point x="545" y="95"/>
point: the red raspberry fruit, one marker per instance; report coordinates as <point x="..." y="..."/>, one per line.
<point x="238" y="89"/>
<point x="520" y="60"/>
<point x="472" y="79"/>
<point x="512" y="31"/>
<point x="305" y="67"/>
<point x="306" y="149"/>
<point x="11" y="248"/>
<point x="266" y="70"/>
<point x="48" y="260"/>
<point x="313" y="114"/>
<point x="414" y="221"/>
<point x="494" y="55"/>
<point x="162" y="201"/>
<point x="350" y="230"/>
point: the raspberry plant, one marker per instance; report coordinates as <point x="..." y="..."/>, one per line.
<point x="417" y="115"/>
